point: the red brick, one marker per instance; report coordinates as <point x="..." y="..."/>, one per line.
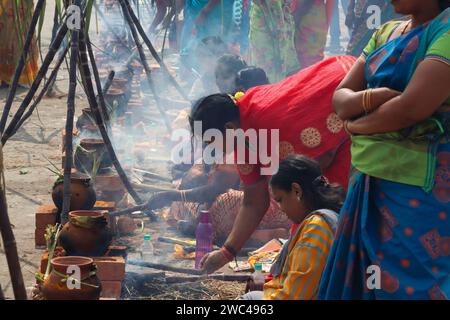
<point x="63" y="137"/>
<point x="111" y="289"/>
<point x="45" y="215"/>
<point x="109" y="206"/>
<point x="39" y="239"/>
<point x="117" y="251"/>
<point x="110" y="268"/>
<point x="59" y="251"/>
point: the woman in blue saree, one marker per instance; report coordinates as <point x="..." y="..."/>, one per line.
<point x="203" y="19"/>
<point x="393" y="240"/>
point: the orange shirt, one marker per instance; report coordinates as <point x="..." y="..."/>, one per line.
<point x="308" y="253"/>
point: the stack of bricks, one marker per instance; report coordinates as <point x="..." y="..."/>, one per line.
<point x="111" y="272"/>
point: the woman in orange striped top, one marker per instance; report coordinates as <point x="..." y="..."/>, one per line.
<point x="311" y="203"/>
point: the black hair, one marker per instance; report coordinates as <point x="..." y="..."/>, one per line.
<point x="229" y="65"/>
<point x="444" y="4"/>
<point x="317" y="192"/>
<point x="212" y="46"/>
<point x="251" y="77"/>
<point x="214" y="112"/>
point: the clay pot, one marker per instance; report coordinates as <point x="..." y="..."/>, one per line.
<point x="89" y="151"/>
<point x="91" y="131"/>
<point x="56" y="288"/>
<point x="86" y="118"/>
<point x="86" y="233"/>
<point x="116" y="99"/>
<point x="83" y="196"/>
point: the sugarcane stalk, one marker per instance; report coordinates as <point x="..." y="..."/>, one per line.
<point x="9" y="242"/>
<point x="44" y="90"/>
<point x="93" y="103"/>
<point x="153" y="51"/>
<point x="54" y="47"/>
<point x="21" y="64"/>
<point x="74" y="49"/>
<point x="125" y="8"/>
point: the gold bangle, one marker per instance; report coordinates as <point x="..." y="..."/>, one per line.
<point x="369" y="100"/>
<point x="364" y="101"/>
<point x="346" y="128"/>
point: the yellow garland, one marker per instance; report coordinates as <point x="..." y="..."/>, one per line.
<point x="238" y="95"/>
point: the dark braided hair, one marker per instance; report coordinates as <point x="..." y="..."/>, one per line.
<point x="317" y="192"/>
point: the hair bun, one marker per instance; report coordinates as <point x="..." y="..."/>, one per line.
<point x="321" y="181"/>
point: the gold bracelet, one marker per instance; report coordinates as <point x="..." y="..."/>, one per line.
<point x="369" y="100"/>
<point x="346" y="127"/>
<point x="364" y="102"/>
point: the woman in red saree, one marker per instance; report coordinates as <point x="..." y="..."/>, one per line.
<point x="300" y="108"/>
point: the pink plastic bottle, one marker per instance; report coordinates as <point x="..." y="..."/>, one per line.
<point x="204" y="238"/>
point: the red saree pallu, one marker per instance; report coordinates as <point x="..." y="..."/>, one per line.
<point x="301" y="108"/>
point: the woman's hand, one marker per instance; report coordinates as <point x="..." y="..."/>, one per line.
<point x="160" y="199"/>
<point x="213" y="261"/>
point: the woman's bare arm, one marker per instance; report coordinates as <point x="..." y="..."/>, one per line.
<point x="427" y="91"/>
<point x="348" y="98"/>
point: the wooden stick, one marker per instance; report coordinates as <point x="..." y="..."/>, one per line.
<point x="221" y="277"/>
<point x="154" y="53"/>
<point x="153" y="175"/>
<point x="125" y="5"/>
<point x="164" y="267"/>
<point x="128" y="211"/>
<point x="9" y="242"/>
<point x="74" y="49"/>
<point x="150" y="187"/>
<point x="37" y="81"/>
<point x="86" y="73"/>
<point x="109" y="81"/>
<point x="21" y="64"/>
